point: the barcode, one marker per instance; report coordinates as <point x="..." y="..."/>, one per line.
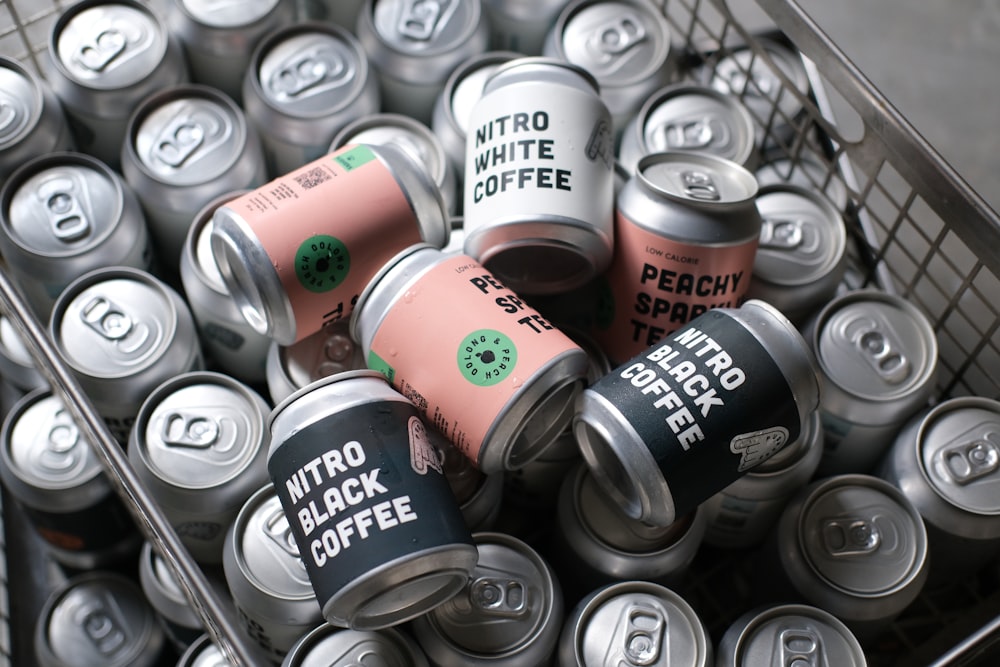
<point x="312" y="178"/>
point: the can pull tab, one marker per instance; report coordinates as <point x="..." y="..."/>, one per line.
<point x="421" y="20"/>
<point x="608" y="41"/>
<point x="185" y="429"/>
<point x="699" y="185"/>
<point x="306" y="71"/>
<point x="59" y="451"/>
<point x="98" y="623"/>
<point x="645" y="629"/>
<point x="67" y="218"/>
<point x="106" y="318"/>
<point x="781" y="234"/>
<point x="507" y="598"/>
<point x="799" y="647"/>
<point x="106" y="46"/>
<point x="881" y="354"/>
<point x="185" y="134"/>
<point x="9" y="116"/>
<point x="851" y="537"/>
<point x="968" y="461"/>
<point x="694" y="133"/>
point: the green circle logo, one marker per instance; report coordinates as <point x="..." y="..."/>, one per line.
<point x="486" y="357"/>
<point x="322" y="263"/>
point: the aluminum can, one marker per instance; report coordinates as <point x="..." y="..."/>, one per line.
<point x="689" y="117"/>
<point x="414" y="48"/>
<point x="17" y="367"/>
<point x="379" y="531"/>
<point x="98" y="618"/>
<point x="32" y="122"/>
<point x="218" y="38"/>
<point x="877" y="360"/>
<point x="624" y="44"/>
<point x="633" y="624"/>
<point x="852" y="545"/>
<point x="498" y="380"/>
<point x="946" y="461"/>
<point x="105" y="58"/>
<point x="326" y="352"/>
<point x="453" y="107"/>
<point x="305" y="82"/>
<point x="521" y="25"/>
<point x="789" y="634"/>
<point x="509" y="613"/>
<point x="200" y="445"/>
<point x="274" y="599"/>
<point x="329" y="646"/>
<point x="228" y="340"/>
<point x="291" y="267"/>
<point x="741" y="515"/>
<point x="686" y="234"/>
<point x="54" y="475"/>
<point x="479" y="495"/>
<point x="597" y="544"/>
<point x="539" y="182"/>
<point x="733" y="387"/>
<point x="411" y="136"/>
<point x="203" y="653"/>
<point x="122" y="332"/>
<point x="186" y="146"/>
<point x="806" y="172"/>
<point x="340" y="12"/>
<point x="62" y="215"/>
<point x="802" y="253"/>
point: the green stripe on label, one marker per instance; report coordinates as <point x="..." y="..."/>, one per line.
<point x="355" y="157"/>
<point x="377" y="363"/>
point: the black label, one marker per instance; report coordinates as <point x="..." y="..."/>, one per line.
<point x="361" y="488"/>
<point x="709" y="403"/>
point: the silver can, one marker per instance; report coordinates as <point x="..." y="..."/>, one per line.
<point x="98" y="618"/>
<point x="329" y="646"/>
<point x="18" y="373"/>
<point x="33" y="122"/>
<point x="802" y="253"/>
<point x="122" y="333"/>
<point x="199" y="446"/>
<point x="946" y="461"/>
<point x="479" y="495"/>
<point x="411" y="136"/>
<point x="680" y="422"/>
<point x="329" y="351"/>
<point x="624" y="44"/>
<point x="635" y="623"/>
<point x="340" y="12"/>
<point x="375" y="521"/>
<point x="414" y="47"/>
<point x="877" y="356"/>
<point x="789" y="634"/>
<point x="228" y="340"/>
<point x="63" y="215"/>
<point x="806" y="171"/>
<point x="203" y="652"/>
<point x="105" y="58"/>
<point x="185" y="146"/>
<point x="57" y="479"/>
<point x="521" y="25"/>
<point x="741" y="515"/>
<point x="292" y="268"/>
<point x="509" y="614"/>
<point x="305" y="82"/>
<point x="539" y="183"/>
<point x="218" y="38"/>
<point x="268" y="581"/>
<point x="689" y="117"/>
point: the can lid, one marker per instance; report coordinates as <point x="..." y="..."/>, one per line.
<point x="187" y="135"/>
<point x="795" y="634"/>
<point x="802" y="237"/>
<point x="326" y="352"/>
<point x="63" y="204"/>
<point x="409" y="135"/>
<point x="860" y="535"/>
<point x="959" y="450"/>
<point x="20" y="102"/>
<point x="750" y="77"/>
<point x="876" y="346"/>
<point x="202" y="652"/>
<point x="465" y="87"/>
<point x="228" y="14"/>
<point x="109" y="45"/>
<point x="697" y="178"/>
<point x="328" y="645"/>
<point x="161" y="589"/>
<point x="806" y="172"/>
<point x="421" y="29"/>
<point x="205" y="259"/>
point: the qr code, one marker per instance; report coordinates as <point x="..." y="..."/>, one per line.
<point x="312" y="178"/>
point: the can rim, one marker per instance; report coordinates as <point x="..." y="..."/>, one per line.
<point x="38" y="99"/>
<point x="318" y="384"/>
<point x="734" y="645"/>
<point x="747" y="179"/>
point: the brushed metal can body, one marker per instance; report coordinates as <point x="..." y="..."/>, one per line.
<point x="123" y="332"/>
<point x="227" y="339"/>
<point x="305" y="82"/>
<point x="218" y="38"/>
<point x="330" y="646"/>
<point x="105" y="58"/>
<point x="539" y="185"/>
<point x="414" y="48"/>
<point x="203" y="652"/>
<point x="635" y="623"/>
<point x="33" y="122"/>
<point x="509" y="614"/>
<point x="478" y="495"/>
<point x="680" y="422"/>
<point x="376" y="524"/>
<point x="485" y="369"/>
<point x="18" y="373"/>
<point x="265" y="574"/>
<point x="63" y="215"/>
<point x="877" y="358"/>
<point x="686" y="234"/>
<point x="329" y="351"/>
<point x="185" y="146"/>
<point x="292" y="267"/>
<point x="521" y="25"/>
<point x="946" y="461"/>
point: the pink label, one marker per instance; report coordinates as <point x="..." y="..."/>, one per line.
<point x="656" y="285"/>
<point x="460" y="345"/>
<point x="328" y="228"/>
